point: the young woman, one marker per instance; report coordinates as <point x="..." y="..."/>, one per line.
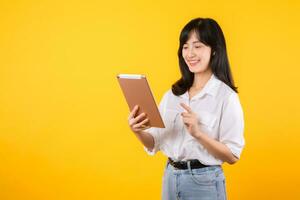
<point x="203" y="118"/>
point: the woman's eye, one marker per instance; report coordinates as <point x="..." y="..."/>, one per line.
<point x="185" y="47"/>
<point x="197" y="47"/>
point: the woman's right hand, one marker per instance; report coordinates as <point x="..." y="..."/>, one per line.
<point x="137" y="123"/>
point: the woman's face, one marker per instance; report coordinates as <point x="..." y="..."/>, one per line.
<point x="196" y="54"/>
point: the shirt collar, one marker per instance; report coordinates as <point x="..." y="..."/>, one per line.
<point x="211" y="88"/>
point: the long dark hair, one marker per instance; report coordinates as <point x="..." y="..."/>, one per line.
<point x="209" y="33"/>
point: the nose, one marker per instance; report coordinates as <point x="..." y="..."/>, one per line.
<point x="190" y="53"/>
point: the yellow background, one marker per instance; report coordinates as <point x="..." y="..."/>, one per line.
<point x="63" y="119"/>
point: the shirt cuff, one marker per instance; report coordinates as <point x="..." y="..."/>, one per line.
<point x="155" y="148"/>
<point x="236" y="151"/>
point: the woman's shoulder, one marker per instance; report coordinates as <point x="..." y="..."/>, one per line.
<point x="225" y="92"/>
<point x="169" y="98"/>
<point x="168" y="94"/>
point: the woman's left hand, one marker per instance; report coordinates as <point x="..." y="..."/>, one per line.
<point x="190" y="119"/>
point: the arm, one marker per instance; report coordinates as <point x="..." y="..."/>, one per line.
<point x="229" y="147"/>
<point x="137" y="126"/>
<point x="146" y="139"/>
<point x="150" y="137"/>
<point x="216" y="148"/>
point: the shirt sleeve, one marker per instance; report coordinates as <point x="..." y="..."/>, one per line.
<point x="154" y="131"/>
<point x="232" y="125"/>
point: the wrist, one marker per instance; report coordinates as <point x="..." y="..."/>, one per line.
<point x="137" y="132"/>
<point x="198" y="135"/>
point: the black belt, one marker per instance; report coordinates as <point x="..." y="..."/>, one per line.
<point x="183" y="164"/>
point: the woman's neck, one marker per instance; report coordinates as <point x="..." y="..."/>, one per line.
<point x="200" y="79"/>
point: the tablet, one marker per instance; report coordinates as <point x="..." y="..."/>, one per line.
<point x="136" y="90"/>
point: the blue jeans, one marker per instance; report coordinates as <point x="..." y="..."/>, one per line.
<point x="194" y="184"/>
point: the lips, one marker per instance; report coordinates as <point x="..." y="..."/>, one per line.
<point x="193" y="62"/>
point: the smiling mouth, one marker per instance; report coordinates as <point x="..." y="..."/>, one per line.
<point x="194" y="62"/>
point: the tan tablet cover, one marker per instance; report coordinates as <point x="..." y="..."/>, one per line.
<point x="137" y="92"/>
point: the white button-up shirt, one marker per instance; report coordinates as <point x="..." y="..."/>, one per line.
<point x="219" y="114"/>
